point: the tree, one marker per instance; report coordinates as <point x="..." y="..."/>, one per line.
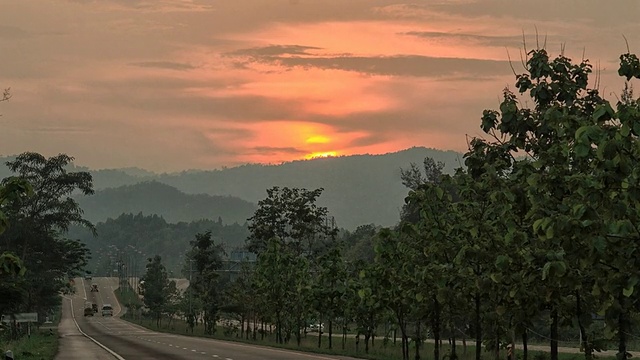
<point x="156" y="287"/>
<point x="207" y="256"/>
<point x="580" y="188"/>
<point x="12" y="269"/>
<point x="38" y="225"/>
<point x="414" y="177"/>
<point x="292" y="216"/>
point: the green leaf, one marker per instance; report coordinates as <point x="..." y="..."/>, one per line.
<point x="501" y="310"/>
<point x="550" y="232"/>
<point x="628" y="291"/>
<point x="582" y="150"/>
<point x="545" y="270"/>
<point x="625" y="130"/>
<point x="536" y="224"/>
<point x="579" y="210"/>
<point x="419" y="297"/>
<point x="599" y="243"/>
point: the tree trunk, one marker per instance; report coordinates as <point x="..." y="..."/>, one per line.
<point x="242" y="326"/>
<point x="436" y="328"/>
<point x="478" y="328"/>
<point x="344" y="333"/>
<point x="554" y="334"/>
<point x="454" y="355"/>
<point x="525" y="350"/>
<point x="403" y="331"/>
<point x="320" y="332"/>
<point x="330" y="333"/>
<point x="417" y="357"/>
<point x="464" y="344"/>
<point x="278" y="328"/>
<point x="622" y="329"/>
<point x="584" y="337"/>
<point x="367" y="335"/>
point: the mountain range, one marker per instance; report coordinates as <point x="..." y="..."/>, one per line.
<point x="358" y="189"/>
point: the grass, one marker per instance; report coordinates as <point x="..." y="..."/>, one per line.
<point x="381" y="350"/>
<point x="42" y="345"/>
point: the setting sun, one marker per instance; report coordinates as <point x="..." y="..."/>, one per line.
<point x="316" y="155"/>
<point x="317" y="139"/>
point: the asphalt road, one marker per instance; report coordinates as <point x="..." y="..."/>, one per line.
<point x="128" y="341"/>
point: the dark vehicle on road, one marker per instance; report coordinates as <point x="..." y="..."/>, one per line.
<point x="94" y="288"/>
<point x="88" y="311"/>
<point x="94" y="307"/>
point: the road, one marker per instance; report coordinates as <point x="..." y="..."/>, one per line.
<point x="111" y="337"/>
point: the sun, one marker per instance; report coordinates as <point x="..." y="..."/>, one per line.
<point x="317" y="155"/>
<point x="317" y="139"/>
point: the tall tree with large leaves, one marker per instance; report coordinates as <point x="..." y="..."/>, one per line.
<point x="12" y="269"/>
<point x="156" y="287"/>
<point x="207" y="257"/>
<point x="292" y="216"/>
<point x="39" y="223"/>
<point x="581" y="188"/>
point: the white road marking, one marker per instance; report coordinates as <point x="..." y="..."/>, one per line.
<point x="83" y="288"/>
<point x="194" y="350"/>
<point x="203" y="353"/>
<point x="73" y="316"/>
<point x="215" y="356"/>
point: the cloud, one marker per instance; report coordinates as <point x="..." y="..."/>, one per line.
<point x="12" y="32"/>
<point x="170" y="65"/>
<point x="368" y="140"/>
<point x="151" y="5"/>
<point x="399" y="65"/>
<point x="504" y="41"/>
<point x="273" y="50"/>
<point x="274" y="150"/>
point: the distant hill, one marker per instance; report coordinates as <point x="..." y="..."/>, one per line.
<point x="152" y="197"/>
<point x="359" y="189"/>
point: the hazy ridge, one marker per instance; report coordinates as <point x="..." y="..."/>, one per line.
<point x="359" y="189"/>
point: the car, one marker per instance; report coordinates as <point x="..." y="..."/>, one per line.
<point x="107" y="310"/>
<point x="88" y="311"/>
<point x="88" y="277"/>
<point x="315" y="328"/>
<point x="94" y="307"/>
<point x="94" y="288"/>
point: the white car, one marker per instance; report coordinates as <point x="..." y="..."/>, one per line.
<point x="107" y="310"/>
<point x="315" y="328"/>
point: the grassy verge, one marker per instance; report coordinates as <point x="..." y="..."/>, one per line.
<point x="380" y="350"/>
<point x="42" y="345"/>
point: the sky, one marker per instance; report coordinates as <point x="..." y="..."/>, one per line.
<point x="171" y="85"/>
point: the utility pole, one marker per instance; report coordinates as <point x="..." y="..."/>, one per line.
<point x="190" y="286"/>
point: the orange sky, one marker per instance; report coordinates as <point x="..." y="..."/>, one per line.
<point x="169" y="85"/>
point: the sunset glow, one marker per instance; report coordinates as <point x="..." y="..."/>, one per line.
<point x="198" y="84"/>
<point x="321" y="155"/>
